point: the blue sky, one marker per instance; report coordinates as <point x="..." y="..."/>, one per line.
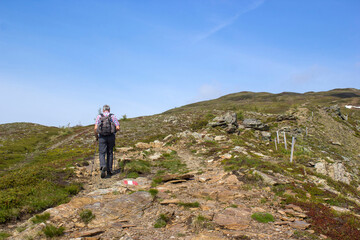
<point x="60" y="60"/>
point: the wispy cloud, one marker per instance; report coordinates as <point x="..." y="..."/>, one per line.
<point x="229" y="21"/>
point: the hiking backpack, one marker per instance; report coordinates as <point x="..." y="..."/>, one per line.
<point x="106" y="126"/>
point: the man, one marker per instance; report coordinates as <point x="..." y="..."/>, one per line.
<point x="106" y="125"/>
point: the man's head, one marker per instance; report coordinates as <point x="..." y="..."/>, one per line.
<point x="106" y="108"/>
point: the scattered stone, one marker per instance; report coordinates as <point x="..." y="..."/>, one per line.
<point x="89" y="233"/>
<point x="170" y="201"/>
<point x="226" y="156"/>
<point x="142" y="145"/>
<point x="301" y="225"/>
<point x="171" y="177"/>
<point x="227" y="121"/>
<point x="255" y="124"/>
<point x="340" y="209"/>
<point x="336" y="171"/>
<point x="155" y="156"/>
<point x="233" y="218"/>
<point x="266" y="178"/>
<point x="285" y="117"/>
<point x="266" y="135"/>
<point x="220" y="138"/>
<point x="336" y="143"/>
<point x="168" y="137"/>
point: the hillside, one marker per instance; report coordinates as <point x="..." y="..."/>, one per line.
<point x="208" y="170"/>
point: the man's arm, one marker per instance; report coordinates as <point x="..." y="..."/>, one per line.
<point x="95" y="128"/>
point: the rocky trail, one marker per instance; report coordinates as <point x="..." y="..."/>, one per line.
<point x="211" y="204"/>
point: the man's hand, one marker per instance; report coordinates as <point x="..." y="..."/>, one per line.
<point x="97" y="137"/>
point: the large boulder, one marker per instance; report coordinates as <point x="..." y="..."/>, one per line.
<point x="255" y="124"/>
<point x="227" y="121"/>
<point x="335" y="170"/>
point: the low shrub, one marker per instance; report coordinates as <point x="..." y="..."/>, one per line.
<point x="52" y="231"/>
<point x="39" y="218"/>
<point x="86" y="216"/>
<point x="161" y="221"/>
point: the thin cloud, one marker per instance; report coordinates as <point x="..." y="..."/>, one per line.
<point x="230" y="21"/>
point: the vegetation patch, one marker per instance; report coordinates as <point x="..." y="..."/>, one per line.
<point x="86" y="216"/>
<point x="137" y="166"/>
<point x="172" y="163"/>
<point x="153" y="192"/>
<point x="39" y="218"/>
<point x="52" y="231"/>
<point x="263" y="217"/>
<point x="189" y="205"/>
<point x="4" y="235"/>
<point x="162" y="221"/>
<point x="201" y="222"/>
<point x="331" y="224"/>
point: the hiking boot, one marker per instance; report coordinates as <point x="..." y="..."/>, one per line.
<point x="109" y="173"/>
<point x="103" y="172"/>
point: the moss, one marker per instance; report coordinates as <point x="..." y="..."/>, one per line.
<point x="262" y="217"/>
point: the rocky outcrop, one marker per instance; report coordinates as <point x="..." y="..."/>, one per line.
<point x="284" y="117"/>
<point x="255" y="124"/>
<point x="336" y="112"/>
<point x="227" y="121"/>
<point x="336" y="171"/>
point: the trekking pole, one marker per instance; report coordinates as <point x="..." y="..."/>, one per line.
<point x="93" y="161"/>
<point x="114" y="161"/>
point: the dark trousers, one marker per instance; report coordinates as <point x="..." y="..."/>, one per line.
<point x="106" y="146"/>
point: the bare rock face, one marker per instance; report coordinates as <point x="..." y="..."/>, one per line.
<point x="234" y="218"/>
<point x="285" y="117"/>
<point x="255" y="124"/>
<point x="227" y="121"/>
<point x="336" y="171"/>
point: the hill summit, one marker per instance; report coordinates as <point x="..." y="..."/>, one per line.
<point x="243" y="166"/>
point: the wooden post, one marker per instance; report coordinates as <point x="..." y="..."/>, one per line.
<point x="285" y="141"/>
<point x="275" y="144"/>
<point x="292" y="149"/>
<point x="277" y="136"/>
<point x="306" y="131"/>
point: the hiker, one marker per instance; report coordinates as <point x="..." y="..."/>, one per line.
<point x="106" y="125"/>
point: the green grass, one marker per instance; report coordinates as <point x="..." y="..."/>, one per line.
<point x="189" y="205"/>
<point x="263" y="217"/>
<point x="44" y="180"/>
<point x="4" y="235"/>
<point x="39" y="218"/>
<point x="162" y="221"/>
<point x="153" y="192"/>
<point x="171" y="163"/>
<point x="137" y="166"/>
<point x="86" y="216"/>
<point x="52" y="231"/>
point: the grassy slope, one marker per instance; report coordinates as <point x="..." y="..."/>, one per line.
<point x="33" y="175"/>
<point x="35" y="161"/>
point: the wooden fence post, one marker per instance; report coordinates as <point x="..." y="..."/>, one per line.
<point x="292" y="149"/>
<point x="285" y="140"/>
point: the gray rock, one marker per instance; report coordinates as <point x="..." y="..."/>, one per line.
<point x="285" y="117"/>
<point x="234" y="218"/>
<point x="227" y="121"/>
<point x="266" y="135"/>
<point x="255" y="124"/>
<point x="302" y="225"/>
<point x="335" y="170"/>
